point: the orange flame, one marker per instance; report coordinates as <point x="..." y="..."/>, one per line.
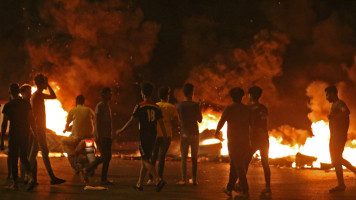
<point x="316" y="146"/>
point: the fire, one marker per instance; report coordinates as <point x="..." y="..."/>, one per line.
<point x="316" y="146"/>
<point x="56" y="116"/>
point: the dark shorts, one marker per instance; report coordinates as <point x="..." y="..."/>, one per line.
<point x="146" y="147"/>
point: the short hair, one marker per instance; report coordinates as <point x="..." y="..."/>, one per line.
<point x="188" y="89"/>
<point x="255" y="92"/>
<point x="104" y="91"/>
<point x="236" y="94"/>
<point x="40" y="79"/>
<point x="25" y="87"/>
<point x="80" y="99"/>
<point x="163" y="92"/>
<point x="14" y="89"/>
<point x="147" y="88"/>
<point x="331" y="89"/>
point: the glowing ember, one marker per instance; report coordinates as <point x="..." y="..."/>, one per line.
<point x="56" y="116"/>
<point x="316" y="146"/>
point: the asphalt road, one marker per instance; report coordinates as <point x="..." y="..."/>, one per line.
<point x="287" y="183"/>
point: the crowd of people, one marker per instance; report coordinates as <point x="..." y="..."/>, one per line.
<point x="247" y="132"/>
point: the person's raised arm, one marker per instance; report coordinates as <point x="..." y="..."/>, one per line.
<point x="3" y="130"/>
<point x="51" y="94"/>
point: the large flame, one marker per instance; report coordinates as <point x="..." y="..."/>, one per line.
<point x="56" y="116"/>
<point x="316" y="146"/>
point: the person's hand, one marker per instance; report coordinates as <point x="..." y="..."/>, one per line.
<point x="119" y="131"/>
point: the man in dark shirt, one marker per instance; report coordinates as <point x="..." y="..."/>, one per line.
<point x="39" y="112"/>
<point x="259" y="134"/>
<point x="18" y="112"/>
<point x="103" y="132"/>
<point x="189" y="114"/>
<point x="339" y="125"/>
<point x="148" y="114"/>
<point x="237" y="116"/>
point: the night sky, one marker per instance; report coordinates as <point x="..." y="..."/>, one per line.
<point x="170" y="42"/>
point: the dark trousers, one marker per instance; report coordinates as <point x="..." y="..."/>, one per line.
<point x="40" y="142"/>
<point x="22" y="167"/>
<point x="185" y="142"/>
<point x="263" y="146"/>
<point x="18" y="148"/>
<point x="104" y="145"/>
<point x="238" y="158"/>
<point x="159" y="152"/>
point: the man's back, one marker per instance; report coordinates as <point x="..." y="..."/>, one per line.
<point x="259" y="115"/>
<point x="189" y="114"/>
<point x="148" y="114"/>
<point x="169" y="112"/>
<point x="237" y="116"/>
<point x="39" y="110"/>
<point x="17" y="111"/>
<point x="103" y="119"/>
<point x="83" y="118"/>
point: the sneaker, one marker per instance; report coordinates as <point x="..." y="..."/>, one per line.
<point x="242" y="195"/>
<point x="138" y="188"/>
<point x="57" y="181"/>
<point x="266" y="192"/>
<point x="337" y="189"/>
<point x="107" y="182"/>
<point x="150" y="182"/>
<point x="227" y="192"/>
<point x="181" y="182"/>
<point x="160" y="185"/>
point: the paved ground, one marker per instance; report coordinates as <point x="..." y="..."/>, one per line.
<point x="286" y="183"/>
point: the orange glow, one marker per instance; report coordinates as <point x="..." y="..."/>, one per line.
<point x="316" y="146"/>
<point x="89" y="143"/>
<point x="56" y="116"/>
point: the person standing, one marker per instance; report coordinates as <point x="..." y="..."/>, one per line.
<point x="82" y="128"/>
<point x="339" y="125"/>
<point x="189" y="115"/>
<point x="26" y="93"/>
<point x="39" y="112"/>
<point x="103" y="133"/>
<point x="148" y="114"/>
<point x="259" y="134"/>
<point x="237" y="116"/>
<point x="170" y="117"/>
<point x="18" y="112"/>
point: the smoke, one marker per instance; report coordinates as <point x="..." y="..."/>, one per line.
<point x="290" y="136"/>
<point x="257" y="65"/>
<point x="81" y="45"/>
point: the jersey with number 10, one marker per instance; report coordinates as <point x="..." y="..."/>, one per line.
<point x="148" y="113"/>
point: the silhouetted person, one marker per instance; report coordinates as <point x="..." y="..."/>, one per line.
<point x="259" y="134"/>
<point x="18" y="112"/>
<point x="26" y="93"/>
<point x="103" y="134"/>
<point x="39" y="111"/>
<point x="237" y="116"/>
<point x="82" y="118"/>
<point x="170" y="117"/>
<point x="339" y="125"/>
<point x="147" y="113"/>
<point x="189" y="114"/>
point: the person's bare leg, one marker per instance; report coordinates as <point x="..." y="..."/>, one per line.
<point x="143" y="173"/>
<point x="348" y="165"/>
<point x="151" y="169"/>
<point x="339" y="175"/>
